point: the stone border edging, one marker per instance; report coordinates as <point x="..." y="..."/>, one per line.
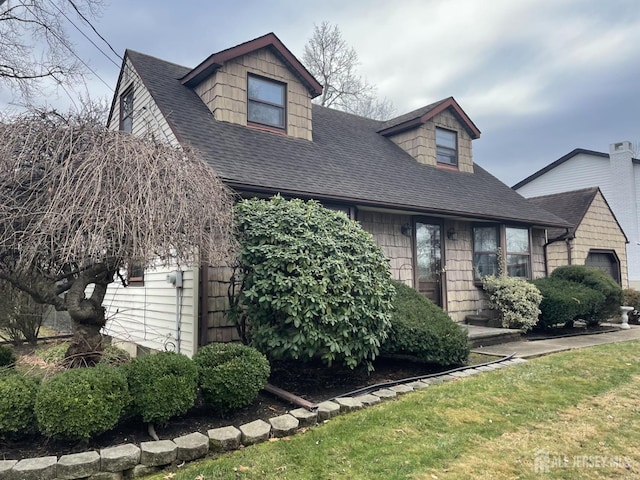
<point x="129" y="461"/>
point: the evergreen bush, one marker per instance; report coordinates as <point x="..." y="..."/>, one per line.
<point x="81" y="403"/>
<point x="162" y="385"/>
<point x="599" y="281"/>
<point x="516" y="300"/>
<point x="230" y="375"/>
<point x="313" y="283"/>
<point x="631" y="298"/>
<point x="7" y="357"/>
<point x="564" y="301"/>
<point x="17" y="401"/>
<point x="422" y="329"/>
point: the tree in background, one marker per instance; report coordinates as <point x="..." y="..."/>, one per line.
<point x="79" y="203"/>
<point x="333" y="63"/>
<point x="34" y="44"/>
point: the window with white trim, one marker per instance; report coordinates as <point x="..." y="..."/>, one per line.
<point x="446" y="146"/>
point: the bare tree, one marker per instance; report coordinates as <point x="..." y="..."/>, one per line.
<point x="333" y="62"/>
<point x="34" y="44"/>
<point x="79" y="203"/>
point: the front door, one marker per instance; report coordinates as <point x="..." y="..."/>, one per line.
<point x="429" y="260"/>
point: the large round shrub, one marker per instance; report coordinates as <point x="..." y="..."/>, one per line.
<point x="564" y="301"/>
<point x="17" y="402"/>
<point x="162" y="385"/>
<point x="81" y="403"/>
<point x="599" y="281"/>
<point x="422" y="329"/>
<point x="230" y="375"/>
<point x="7" y="357"/>
<point x="315" y="285"/>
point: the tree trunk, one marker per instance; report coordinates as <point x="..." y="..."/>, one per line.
<point x="88" y="316"/>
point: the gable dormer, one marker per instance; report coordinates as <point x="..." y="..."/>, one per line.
<point x="439" y="135"/>
<point x="259" y="84"/>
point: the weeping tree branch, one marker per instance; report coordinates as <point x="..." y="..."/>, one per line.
<point x="79" y="203"/>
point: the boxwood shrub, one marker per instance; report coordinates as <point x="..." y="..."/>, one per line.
<point x="599" y="281"/>
<point x="230" y="375"/>
<point x="17" y="402"/>
<point x="80" y="403"/>
<point x="564" y="301"/>
<point x="162" y="385"/>
<point x="422" y="329"/>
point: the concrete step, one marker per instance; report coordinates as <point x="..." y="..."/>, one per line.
<point x="484" y="336"/>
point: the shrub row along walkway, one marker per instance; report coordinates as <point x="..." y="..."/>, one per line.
<point x="132" y="461"/>
<point x="525" y="349"/>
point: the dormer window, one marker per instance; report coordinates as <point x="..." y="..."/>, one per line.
<point x="446" y="147"/>
<point x="266" y="102"/>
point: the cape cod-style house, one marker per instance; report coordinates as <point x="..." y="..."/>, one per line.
<point x="442" y="220"/>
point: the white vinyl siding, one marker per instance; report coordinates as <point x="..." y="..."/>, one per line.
<point x="580" y="171"/>
<point x="146" y="315"/>
<point x="146" y="116"/>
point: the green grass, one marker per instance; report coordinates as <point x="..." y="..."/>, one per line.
<point x="579" y="405"/>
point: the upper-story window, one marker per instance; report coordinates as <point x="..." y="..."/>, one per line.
<point x="126" y="111"/>
<point x="446" y="146"/>
<point x="266" y="102"/>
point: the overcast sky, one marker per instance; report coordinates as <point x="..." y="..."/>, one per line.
<point x="538" y="77"/>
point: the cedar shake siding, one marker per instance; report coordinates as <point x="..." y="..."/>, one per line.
<point x="595" y="229"/>
<point x="385" y="171"/>
<point x="225" y="92"/>
<point x="420" y="142"/>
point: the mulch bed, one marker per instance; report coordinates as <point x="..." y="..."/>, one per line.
<point x="312" y="382"/>
<point x="559" y="332"/>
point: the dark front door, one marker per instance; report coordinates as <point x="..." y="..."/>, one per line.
<point x="429" y="261"/>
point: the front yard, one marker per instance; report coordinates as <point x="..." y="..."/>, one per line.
<point x="567" y="415"/>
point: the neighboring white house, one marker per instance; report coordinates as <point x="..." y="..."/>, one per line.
<point x="617" y="174"/>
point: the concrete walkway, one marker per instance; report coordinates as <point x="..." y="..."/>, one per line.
<point x="537" y="348"/>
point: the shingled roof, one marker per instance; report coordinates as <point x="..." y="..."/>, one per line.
<point x="572" y="206"/>
<point x="347" y="161"/>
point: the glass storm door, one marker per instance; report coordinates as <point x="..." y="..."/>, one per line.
<point x="429" y="261"/>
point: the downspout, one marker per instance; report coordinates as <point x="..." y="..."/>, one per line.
<point x="567" y="238"/>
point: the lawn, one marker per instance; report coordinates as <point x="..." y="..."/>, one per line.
<point x="570" y="415"/>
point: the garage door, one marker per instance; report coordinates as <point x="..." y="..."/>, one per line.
<point x="605" y="261"/>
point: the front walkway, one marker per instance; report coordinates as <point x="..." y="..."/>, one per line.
<point x="537" y="348"/>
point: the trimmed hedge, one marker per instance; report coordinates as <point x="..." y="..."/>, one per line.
<point x="230" y="374"/>
<point x="422" y="329"/>
<point x="564" y="301"/>
<point x="162" y="385"/>
<point x="17" y="401"/>
<point x="599" y="281"/>
<point x="80" y="403"/>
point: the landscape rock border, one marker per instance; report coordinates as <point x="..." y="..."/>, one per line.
<point x="129" y="461"/>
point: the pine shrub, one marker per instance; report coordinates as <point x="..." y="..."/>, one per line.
<point x="422" y="329"/>
<point x="81" y="403"/>
<point x="230" y="375"/>
<point x="162" y="385"/>
<point x="17" y="401"/>
<point x="564" y="301"/>
<point x="599" y="281"/>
